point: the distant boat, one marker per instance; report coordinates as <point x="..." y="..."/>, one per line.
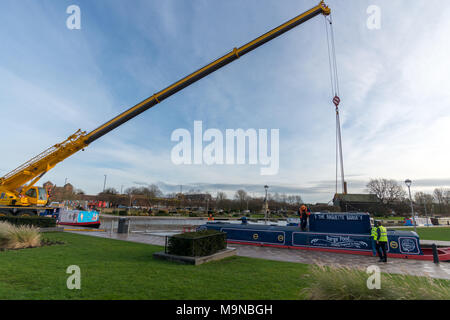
<point x="75" y="217"/>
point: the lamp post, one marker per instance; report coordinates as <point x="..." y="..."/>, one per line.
<point x="266" y="205"/>
<point x="408" y="184"/>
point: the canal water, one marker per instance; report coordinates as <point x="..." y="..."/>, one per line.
<point x="169" y="225"/>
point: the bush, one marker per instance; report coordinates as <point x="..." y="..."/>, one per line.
<point x="17" y="237"/>
<point x="195" y="214"/>
<point x="197" y="244"/>
<point x="36" y="221"/>
<point x="332" y="283"/>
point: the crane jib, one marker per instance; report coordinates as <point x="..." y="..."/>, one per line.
<point x="201" y="73"/>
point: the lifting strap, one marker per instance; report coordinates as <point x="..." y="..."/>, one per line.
<point x="334" y="81"/>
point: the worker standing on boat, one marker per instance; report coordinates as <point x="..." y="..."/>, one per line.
<point x="304" y="214"/>
<point x="382" y="240"/>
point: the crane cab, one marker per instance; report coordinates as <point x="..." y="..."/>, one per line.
<point x="37" y="196"/>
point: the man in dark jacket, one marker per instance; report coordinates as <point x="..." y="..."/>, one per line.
<point x="304" y="214"/>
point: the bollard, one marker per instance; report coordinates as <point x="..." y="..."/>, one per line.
<point x="435" y="253"/>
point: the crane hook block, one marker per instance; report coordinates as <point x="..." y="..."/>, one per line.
<point x="336" y="101"/>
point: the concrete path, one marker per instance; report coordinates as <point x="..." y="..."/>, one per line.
<point x="399" y="266"/>
<point x="437" y="242"/>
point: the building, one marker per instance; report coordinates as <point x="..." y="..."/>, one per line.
<point x="357" y="202"/>
<point x="58" y="192"/>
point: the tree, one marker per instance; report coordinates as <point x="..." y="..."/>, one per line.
<point x="109" y="191"/>
<point x="424" y="200"/>
<point x="440" y="195"/>
<point x="386" y="190"/>
<point x="79" y="192"/>
<point x="241" y="195"/>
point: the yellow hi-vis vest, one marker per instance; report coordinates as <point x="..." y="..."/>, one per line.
<point x="383" y="234"/>
<point x="374" y="233"/>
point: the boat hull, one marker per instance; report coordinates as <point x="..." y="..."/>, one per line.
<point x="401" y="244"/>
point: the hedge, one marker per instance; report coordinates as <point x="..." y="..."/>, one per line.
<point x="37" y="221"/>
<point x="197" y="244"/>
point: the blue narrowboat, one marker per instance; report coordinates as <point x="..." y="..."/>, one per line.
<point x="332" y="232"/>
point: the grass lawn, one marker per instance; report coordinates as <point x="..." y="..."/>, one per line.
<point x="431" y="233"/>
<point x="113" y="269"/>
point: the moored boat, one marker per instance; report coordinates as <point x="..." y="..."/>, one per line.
<point x="79" y="218"/>
<point x="330" y="232"/>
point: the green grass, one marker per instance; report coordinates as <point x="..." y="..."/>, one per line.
<point x="113" y="269"/>
<point x="430" y="233"/>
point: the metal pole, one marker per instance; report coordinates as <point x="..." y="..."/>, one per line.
<point x="412" y="209"/>
<point x="341" y="157"/>
<point x="104" y="184"/>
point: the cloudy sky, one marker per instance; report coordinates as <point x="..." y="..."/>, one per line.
<point x="394" y="87"/>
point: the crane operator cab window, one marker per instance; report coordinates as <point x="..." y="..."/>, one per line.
<point x="31" y="193"/>
<point x="42" y="194"/>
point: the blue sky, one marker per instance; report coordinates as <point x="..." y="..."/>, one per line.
<point x="395" y="111"/>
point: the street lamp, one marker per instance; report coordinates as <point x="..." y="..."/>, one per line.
<point x="408" y="184"/>
<point x="266" y="207"/>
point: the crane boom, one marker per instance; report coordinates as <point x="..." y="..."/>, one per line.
<point x="30" y="172"/>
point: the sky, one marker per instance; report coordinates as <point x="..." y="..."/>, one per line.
<point x="394" y="92"/>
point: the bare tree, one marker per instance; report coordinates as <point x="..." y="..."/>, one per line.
<point x="386" y="190"/>
<point x="241" y="195"/>
<point x="425" y="200"/>
<point x="440" y="195"/>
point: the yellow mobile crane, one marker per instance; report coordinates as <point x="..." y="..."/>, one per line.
<point x="18" y="195"/>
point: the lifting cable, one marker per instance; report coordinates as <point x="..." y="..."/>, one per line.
<point x="334" y="81"/>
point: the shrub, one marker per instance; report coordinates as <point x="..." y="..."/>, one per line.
<point x="5" y="229"/>
<point x="17" y="237"/>
<point x="197" y="244"/>
<point x="161" y="213"/>
<point x="36" y="221"/>
<point x="332" y="283"/>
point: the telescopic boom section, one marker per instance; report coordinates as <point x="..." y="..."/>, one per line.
<point x="31" y="171"/>
<point x="236" y="53"/>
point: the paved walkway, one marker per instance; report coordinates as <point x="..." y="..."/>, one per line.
<point x="437" y="242"/>
<point x="399" y="266"/>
